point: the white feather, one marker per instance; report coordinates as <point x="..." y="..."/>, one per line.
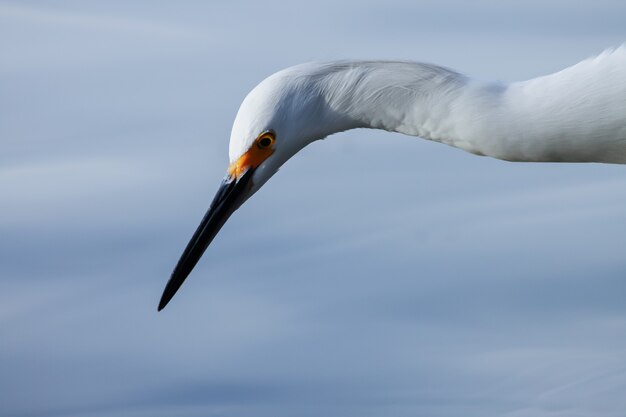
<point x="575" y="115"/>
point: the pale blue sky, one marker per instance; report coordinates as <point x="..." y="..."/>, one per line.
<point x="375" y="275"/>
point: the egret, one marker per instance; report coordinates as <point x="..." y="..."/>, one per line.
<point x="574" y="115"/>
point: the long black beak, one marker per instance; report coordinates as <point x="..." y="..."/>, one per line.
<point x="229" y="197"/>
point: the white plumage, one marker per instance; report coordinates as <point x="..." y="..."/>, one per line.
<point x="575" y="115"/>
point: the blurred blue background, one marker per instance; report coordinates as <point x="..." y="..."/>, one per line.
<point x="375" y="275"/>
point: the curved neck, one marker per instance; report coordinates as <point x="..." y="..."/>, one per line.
<point x="552" y="118"/>
<point x="415" y="99"/>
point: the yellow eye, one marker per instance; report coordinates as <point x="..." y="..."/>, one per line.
<point x="266" y="140"/>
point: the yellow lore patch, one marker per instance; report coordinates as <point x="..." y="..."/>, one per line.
<point x="258" y="152"/>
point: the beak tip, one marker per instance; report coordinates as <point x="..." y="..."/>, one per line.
<point x="168" y="294"/>
<point x="162" y="304"/>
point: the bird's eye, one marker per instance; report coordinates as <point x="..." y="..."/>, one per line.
<point x="265" y="140"/>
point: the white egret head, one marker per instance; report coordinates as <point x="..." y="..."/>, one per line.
<point x="280" y="116"/>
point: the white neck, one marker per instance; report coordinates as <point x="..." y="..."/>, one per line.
<point x="576" y="115"/>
